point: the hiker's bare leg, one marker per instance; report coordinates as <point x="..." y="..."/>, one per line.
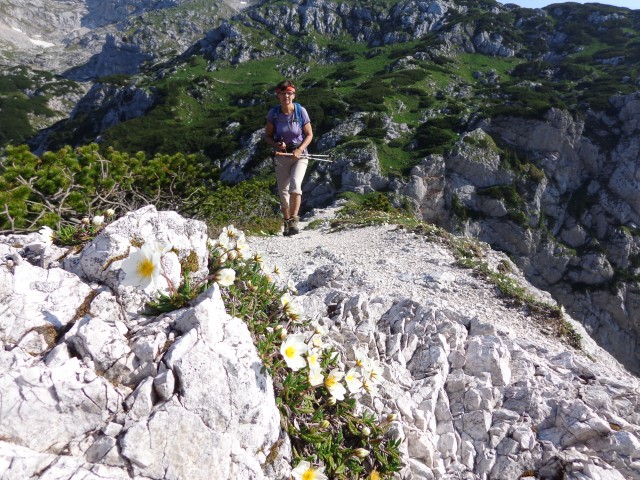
<point x="294" y="204"/>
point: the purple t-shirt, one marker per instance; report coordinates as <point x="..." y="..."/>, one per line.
<point x="287" y="127"/>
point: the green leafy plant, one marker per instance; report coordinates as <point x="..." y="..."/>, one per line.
<point x="328" y="428"/>
<point x="60" y="188"/>
<point x="83" y="232"/>
<point x="370" y="209"/>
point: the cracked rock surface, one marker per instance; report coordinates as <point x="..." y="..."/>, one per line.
<point x="482" y="390"/>
<point x="91" y="389"/>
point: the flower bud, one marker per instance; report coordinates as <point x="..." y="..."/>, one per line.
<point x="85" y="221"/>
<point x="366" y="431"/>
<point x="361" y="452"/>
<point x="109" y="212"/>
<point x="391" y="417"/>
<point x="282" y="332"/>
<point x="331" y="401"/>
<point x="97" y="220"/>
<point x="324" y="424"/>
<point x="225" y="277"/>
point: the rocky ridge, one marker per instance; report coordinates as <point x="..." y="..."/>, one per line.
<point x="479" y="390"/>
<point x="570" y="221"/>
<point x="87" y="39"/>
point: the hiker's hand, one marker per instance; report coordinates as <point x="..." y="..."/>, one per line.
<point x="297" y="153"/>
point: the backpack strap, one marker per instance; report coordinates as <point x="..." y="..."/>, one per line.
<point x="275" y="111"/>
<point x="298" y="113"/>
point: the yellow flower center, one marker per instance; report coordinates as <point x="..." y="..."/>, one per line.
<point x="145" y="268"/>
<point x="375" y="475"/>
<point x="290" y="351"/>
<point x="309" y="474"/>
<point x="330" y="382"/>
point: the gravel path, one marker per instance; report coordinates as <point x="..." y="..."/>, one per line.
<point x="393" y="263"/>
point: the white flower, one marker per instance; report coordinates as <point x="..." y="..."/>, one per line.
<point x="292" y="307"/>
<point x="97" y="220"/>
<point x="370" y="387"/>
<point x="265" y="269"/>
<point x="320" y="329"/>
<point x="313" y="359"/>
<point x="225" y="277"/>
<point x="224" y="241"/>
<point x="231" y="231"/>
<point x="318" y="341"/>
<point x="291" y="286"/>
<point x="109" y="212"/>
<point x="286" y="299"/>
<point x="315" y="377"/>
<point x="318" y="338"/>
<point x="142" y="268"/>
<point x="332" y="382"/>
<point x="361" y="358"/>
<point x="304" y="471"/>
<point x="293" y="349"/>
<point x="161" y="247"/>
<point x="242" y="247"/>
<point x="47" y="235"/>
<point x="373" y="370"/>
<point x="352" y="379"/>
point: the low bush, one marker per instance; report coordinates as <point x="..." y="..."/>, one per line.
<point x="59" y="188"/>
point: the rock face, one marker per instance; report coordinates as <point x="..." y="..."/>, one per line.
<point x="568" y="214"/>
<point x="92" y="389"/>
<point x="59" y="35"/>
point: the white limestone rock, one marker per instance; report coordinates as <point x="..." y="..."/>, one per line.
<point x="55" y="405"/>
<point x="38" y="300"/>
<point x="100" y="260"/>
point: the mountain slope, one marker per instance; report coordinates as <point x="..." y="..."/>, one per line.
<point x="514" y="125"/>
<point x="61" y="36"/>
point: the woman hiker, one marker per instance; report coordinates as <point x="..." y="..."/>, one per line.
<point x="288" y="130"/>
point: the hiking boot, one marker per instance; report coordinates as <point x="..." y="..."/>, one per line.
<point x="293" y="225"/>
<point x="286" y="231"/>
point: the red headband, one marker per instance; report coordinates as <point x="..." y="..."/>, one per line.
<point x="286" y="89"/>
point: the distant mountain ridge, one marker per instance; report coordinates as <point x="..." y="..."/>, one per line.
<point x="57" y="35"/>
<point x="517" y="126"/>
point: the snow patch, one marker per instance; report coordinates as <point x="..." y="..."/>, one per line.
<point x="42" y="43"/>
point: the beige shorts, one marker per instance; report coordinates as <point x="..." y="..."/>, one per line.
<point x="289" y="174"/>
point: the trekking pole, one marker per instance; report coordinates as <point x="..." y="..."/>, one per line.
<point x="317" y="158"/>
<point x="307" y="156"/>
